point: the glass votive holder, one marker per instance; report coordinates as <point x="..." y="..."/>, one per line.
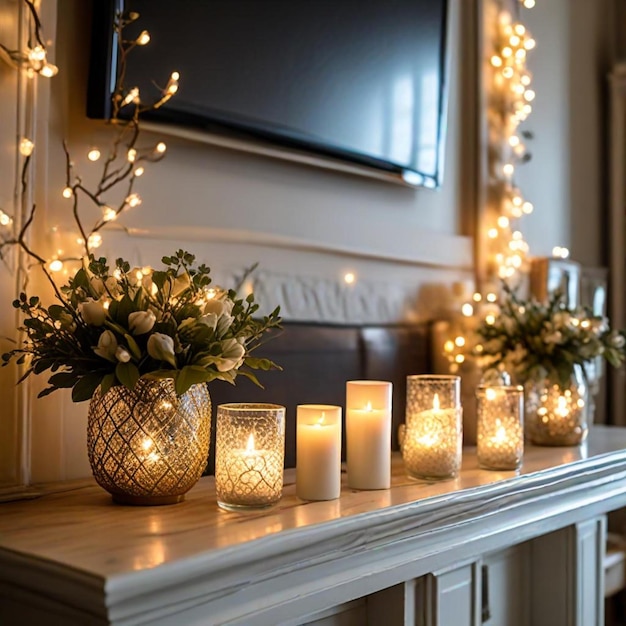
<point x="433" y="436"/>
<point x="249" y="455"/>
<point x="500" y="438"/>
<point x="368" y="433"/>
<point x="318" y="452"/>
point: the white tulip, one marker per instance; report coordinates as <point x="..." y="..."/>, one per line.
<point x="161" y="348"/>
<point x="122" y="354"/>
<point x="231" y="357"/>
<point x="107" y="346"/>
<point x="93" y="312"/>
<point x="141" y="322"/>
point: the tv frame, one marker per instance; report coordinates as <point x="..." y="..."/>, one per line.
<point x="246" y="136"/>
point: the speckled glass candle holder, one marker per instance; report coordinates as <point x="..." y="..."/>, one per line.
<point x="432" y="446"/>
<point x="500" y="440"/>
<point x="249" y="455"/>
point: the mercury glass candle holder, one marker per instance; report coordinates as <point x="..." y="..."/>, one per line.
<point x="249" y="455"/>
<point x="500" y="440"/>
<point x="433" y="436"/>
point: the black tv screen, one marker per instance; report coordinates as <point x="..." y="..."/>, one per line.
<point x="361" y="81"/>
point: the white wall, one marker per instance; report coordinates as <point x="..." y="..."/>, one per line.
<point x="566" y="178"/>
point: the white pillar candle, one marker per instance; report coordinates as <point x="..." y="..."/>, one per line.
<point x="368" y="434"/>
<point x="318" y="449"/>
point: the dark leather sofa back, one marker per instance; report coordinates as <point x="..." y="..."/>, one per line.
<point x="318" y="359"/>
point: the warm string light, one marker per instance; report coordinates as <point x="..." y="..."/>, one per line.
<point x="34" y="59"/>
<point x="509" y="105"/>
<point x="117" y="171"/>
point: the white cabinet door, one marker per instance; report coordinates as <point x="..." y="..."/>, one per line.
<point x="506" y="587"/>
<point x="567" y="576"/>
<point x="451" y="597"/>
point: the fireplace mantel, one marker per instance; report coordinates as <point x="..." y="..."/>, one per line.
<point x="75" y="556"/>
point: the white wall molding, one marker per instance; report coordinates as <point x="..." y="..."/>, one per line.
<point x="430" y="250"/>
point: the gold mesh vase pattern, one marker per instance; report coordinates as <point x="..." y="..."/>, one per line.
<point x="149" y="446"/>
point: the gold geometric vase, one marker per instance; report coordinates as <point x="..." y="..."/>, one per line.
<point x="148" y="446"/>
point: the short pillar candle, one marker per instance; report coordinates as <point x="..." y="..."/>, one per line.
<point x="368" y="434"/>
<point x="500" y="441"/>
<point x="318" y="452"/>
<point x="249" y="455"/>
<point x="433" y="437"/>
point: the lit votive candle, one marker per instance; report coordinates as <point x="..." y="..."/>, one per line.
<point x="500" y="440"/>
<point x="432" y="446"/>
<point x="249" y="455"/>
<point x="368" y="434"/>
<point x="318" y="450"/>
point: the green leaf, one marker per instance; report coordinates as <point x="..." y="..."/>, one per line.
<point x="260" y="364"/>
<point x="252" y="377"/>
<point x="190" y="375"/>
<point x="56" y="311"/>
<point x="127" y="374"/>
<point x="107" y="383"/>
<point x="161" y="375"/>
<point x="63" y="380"/>
<point x="132" y="346"/>
<point x="85" y="387"/>
<point x="46" y="392"/>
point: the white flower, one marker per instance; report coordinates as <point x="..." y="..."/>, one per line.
<point x="232" y="356"/>
<point x="107" y="346"/>
<point x="219" y="306"/>
<point x="93" y="312"/>
<point x="210" y="320"/>
<point x="122" y="354"/>
<point x="161" y="348"/>
<point x="223" y="324"/>
<point x="141" y="322"/>
<point x="617" y="340"/>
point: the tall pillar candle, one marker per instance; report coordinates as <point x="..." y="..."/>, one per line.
<point x="368" y="434"/>
<point x="318" y="450"/>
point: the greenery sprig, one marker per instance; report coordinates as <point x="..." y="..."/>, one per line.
<point x="532" y="340"/>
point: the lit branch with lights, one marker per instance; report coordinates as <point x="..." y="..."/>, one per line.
<point x="508" y="104"/>
<point x="34" y="59"/>
<point x="124" y="163"/>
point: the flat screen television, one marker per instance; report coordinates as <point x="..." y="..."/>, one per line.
<point x="355" y="82"/>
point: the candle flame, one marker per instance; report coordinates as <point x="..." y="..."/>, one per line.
<point x="147" y="443"/>
<point x="436" y="402"/>
<point x="250" y="444"/>
<point x="321" y="420"/>
<point x="369" y="406"/>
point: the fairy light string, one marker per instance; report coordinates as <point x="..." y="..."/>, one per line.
<point x="509" y="103"/>
<point x="124" y="162"/>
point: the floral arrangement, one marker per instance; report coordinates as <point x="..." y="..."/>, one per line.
<point x="115" y="328"/>
<point x="531" y="340"/>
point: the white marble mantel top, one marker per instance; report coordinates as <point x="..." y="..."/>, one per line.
<point x="132" y="565"/>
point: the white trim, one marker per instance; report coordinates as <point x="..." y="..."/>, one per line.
<point x="431" y="249"/>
